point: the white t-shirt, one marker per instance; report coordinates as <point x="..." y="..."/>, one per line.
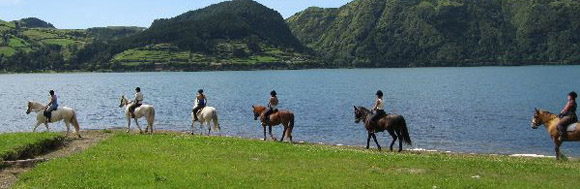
<point x="139" y="97"/>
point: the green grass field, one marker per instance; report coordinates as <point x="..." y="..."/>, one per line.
<point x="12" y="144"/>
<point x="183" y="161"/>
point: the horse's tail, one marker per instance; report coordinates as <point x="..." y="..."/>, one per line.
<point x="151" y="118"/>
<point x="290" y="127"/>
<point x="405" y="132"/>
<point x="216" y="123"/>
<point x="75" y="123"/>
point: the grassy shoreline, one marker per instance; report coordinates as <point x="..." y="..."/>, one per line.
<point x="178" y="160"/>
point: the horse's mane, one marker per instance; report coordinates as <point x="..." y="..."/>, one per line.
<point x="548" y="112"/>
<point x="364" y="109"/>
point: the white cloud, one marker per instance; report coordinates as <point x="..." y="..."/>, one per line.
<point x="9" y="2"/>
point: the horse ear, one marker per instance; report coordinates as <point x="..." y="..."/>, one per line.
<point x="355" y="108"/>
<point x="536" y="109"/>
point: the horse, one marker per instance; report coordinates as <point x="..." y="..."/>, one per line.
<point x="207" y="114"/>
<point x="147" y="111"/>
<point x="66" y="114"/>
<point x="550" y="121"/>
<point x="284" y="117"/>
<point x="392" y="123"/>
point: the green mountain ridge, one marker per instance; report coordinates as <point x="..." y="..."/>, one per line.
<point x="394" y="33"/>
<point x="238" y="34"/>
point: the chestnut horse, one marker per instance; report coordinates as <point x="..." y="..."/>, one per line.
<point x="550" y="121"/>
<point x="392" y="123"/>
<point x="284" y="117"/>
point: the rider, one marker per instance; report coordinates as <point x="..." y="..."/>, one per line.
<point x="136" y="102"/>
<point x="567" y="115"/>
<point x="200" y="102"/>
<point x="378" y="107"/>
<point x="52" y="105"/>
<point x="272" y="106"/>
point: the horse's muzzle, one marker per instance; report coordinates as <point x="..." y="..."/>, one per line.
<point x="27" y="112"/>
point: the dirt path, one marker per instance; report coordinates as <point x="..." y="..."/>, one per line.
<point x="9" y="175"/>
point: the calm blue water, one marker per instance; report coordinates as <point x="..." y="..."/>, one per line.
<point x="483" y="109"/>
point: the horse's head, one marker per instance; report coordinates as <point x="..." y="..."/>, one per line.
<point x="28" y="107"/>
<point x="257" y="111"/>
<point x="359" y="114"/>
<point x="124" y="101"/>
<point x="540" y="118"/>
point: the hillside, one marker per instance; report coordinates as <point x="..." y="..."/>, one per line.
<point x="393" y="33"/>
<point x="238" y="34"/>
<point x="32" y="44"/>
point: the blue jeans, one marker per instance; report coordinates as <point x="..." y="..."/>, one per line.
<point x="48" y="111"/>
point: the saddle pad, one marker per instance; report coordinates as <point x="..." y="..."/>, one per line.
<point x="572" y="127"/>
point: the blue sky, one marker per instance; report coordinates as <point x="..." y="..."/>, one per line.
<point x="80" y="14"/>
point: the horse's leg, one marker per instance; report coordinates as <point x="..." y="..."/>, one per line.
<point x="192" y="127"/>
<point x="271" y="135"/>
<point x="284" y="133"/>
<point x="376" y="142"/>
<point x="46" y="125"/>
<point x="139" y="127"/>
<point x="208" y="127"/>
<point x="36" y="126"/>
<point x="557" y="147"/>
<point x="400" y="140"/>
<point x="128" y="124"/>
<point x="368" y="139"/>
<point x="67" y="124"/>
<point x="264" y="133"/>
<point x="392" y="133"/>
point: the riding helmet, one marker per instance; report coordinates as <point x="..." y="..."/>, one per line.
<point x="51" y="92"/>
<point x="138" y="89"/>
<point x="273" y="93"/>
<point x="573" y="94"/>
<point x="379" y="93"/>
<point x="200" y="91"/>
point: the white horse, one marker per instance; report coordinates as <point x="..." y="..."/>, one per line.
<point x="147" y="111"/>
<point x="206" y="115"/>
<point x="67" y="114"/>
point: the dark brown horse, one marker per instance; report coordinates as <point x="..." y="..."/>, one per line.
<point x="392" y="123"/>
<point x="284" y="117"/>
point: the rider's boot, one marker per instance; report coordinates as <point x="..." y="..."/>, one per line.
<point x="562" y="133"/>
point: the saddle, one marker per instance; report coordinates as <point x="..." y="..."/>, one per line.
<point x="572" y="127"/>
<point x="48" y="114"/>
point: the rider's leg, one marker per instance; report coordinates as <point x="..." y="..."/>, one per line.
<point x="563" y="126"/>
<point x="195" y="110"/>
<point x="267" y="115"/>
<point x="132" y="109"/>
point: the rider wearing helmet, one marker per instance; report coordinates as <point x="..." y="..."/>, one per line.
<point x="378" y="107"/>
<point x="52" y="105"/>
<point x="272" y="106"/>
<point x="136" y="102"/>
<point x="200" y="102"/>
<point x="567" y="115"/>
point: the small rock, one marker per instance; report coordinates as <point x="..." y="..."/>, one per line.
<point x="476" y="177"/>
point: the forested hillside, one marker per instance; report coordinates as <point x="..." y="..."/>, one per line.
<point x="239" y="34"/>
<point x="391" y="33"/>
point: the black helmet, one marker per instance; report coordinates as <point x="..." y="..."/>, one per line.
<point x="273" y="93"/>
<point x="51" y="92"/>
<point x="138" y="89"/>
<point x="379" y="93"/>
<point x="200" y="91"/>
<point x="573" y="94"/>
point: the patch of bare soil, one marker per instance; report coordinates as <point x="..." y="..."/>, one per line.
<point x="73" y="145"/>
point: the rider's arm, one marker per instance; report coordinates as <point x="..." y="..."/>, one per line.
<point x="566" y="108"/>
<point x="375" y="105"/>
<point x="51" y="102"/>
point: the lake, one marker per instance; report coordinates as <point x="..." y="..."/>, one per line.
<point x="479" y="109"/>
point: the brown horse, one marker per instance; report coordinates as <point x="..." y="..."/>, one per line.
<point x="284" y="117"/>
<point x="392" y="123"/>
<point x="550" y="121"/>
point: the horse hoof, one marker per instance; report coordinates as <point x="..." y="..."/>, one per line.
<point x="264" y="139"/>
